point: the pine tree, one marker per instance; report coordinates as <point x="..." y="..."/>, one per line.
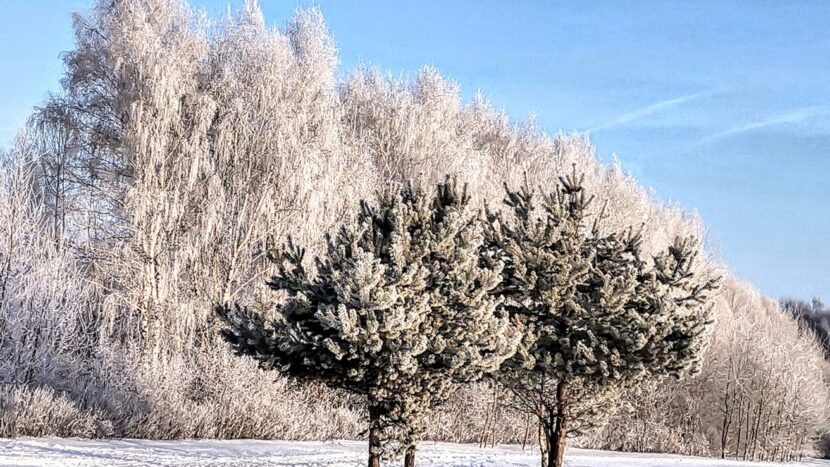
<point x="597" y="318"/>
<point x="398" y="310"/>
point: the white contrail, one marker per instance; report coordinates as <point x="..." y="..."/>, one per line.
<point x="651" y="109"/>
<point x="794" y="116"/>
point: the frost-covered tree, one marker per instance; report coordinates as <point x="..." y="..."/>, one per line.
<point x="181" y="148"/>
<point x="398" y="310"/>
<point x="597" y="317"/>
<point x="46" y="324"/>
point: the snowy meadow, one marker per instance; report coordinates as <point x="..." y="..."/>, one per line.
<point x="128" y="453"/>
<point x="213" y="232"/>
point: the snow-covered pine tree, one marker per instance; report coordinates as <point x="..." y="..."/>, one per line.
<point x="597" y="318"/>
<point x="398" y="309"/>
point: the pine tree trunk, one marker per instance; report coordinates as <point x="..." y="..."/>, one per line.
<point x="549" y="437"/>
<point x="374" y="437"/>
<point x="409" y="459"/>
<point x="560" y="426"/>
<point x="544" y="440"/>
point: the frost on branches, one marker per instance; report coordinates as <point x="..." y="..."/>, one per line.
<point x="598" y="318"/>
<point x="182" y="148"/>
<point x="398" y="309"/>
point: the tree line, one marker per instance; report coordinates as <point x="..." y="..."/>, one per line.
<point x="180" y="155"/>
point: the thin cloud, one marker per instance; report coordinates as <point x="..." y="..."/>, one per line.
<point x="795" y="116"/>
<point x="650" y="110"/>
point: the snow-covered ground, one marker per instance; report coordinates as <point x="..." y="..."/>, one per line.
<point x="74" y="452"/>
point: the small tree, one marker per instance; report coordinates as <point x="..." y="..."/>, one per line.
<point x="597" y="318"/>
<point x="399" y="310"/>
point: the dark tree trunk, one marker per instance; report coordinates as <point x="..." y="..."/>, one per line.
<point x="544" y="439"/>
<point x="727" y="419"/>
<point x="740" y="426"/>
<point x="409" y="458"/>
<point x="560" y="426"/>
<point x="553" y="429"/>
<point x="374" y="436"/>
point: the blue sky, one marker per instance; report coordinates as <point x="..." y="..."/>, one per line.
<point x="721" y="106"/>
